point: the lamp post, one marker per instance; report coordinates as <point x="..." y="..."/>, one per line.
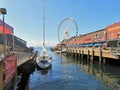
<point x="3" y="11"/>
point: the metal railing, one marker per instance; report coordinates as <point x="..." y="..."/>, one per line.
<point x="22" y="57"/>
<point x="115" y="50"/>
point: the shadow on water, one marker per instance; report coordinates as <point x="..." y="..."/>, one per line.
<point x="39" y="78"/>
<point x="109" y="74"/>
<point x="25" y="76"/>
<point x="24" y="72"/>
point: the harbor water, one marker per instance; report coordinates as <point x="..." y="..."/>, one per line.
<point x="68" y="73"/>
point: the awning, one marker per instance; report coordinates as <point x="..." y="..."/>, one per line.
<point x="98" y="44"/>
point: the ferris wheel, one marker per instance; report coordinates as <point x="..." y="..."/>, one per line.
<point x="67" y="28"/>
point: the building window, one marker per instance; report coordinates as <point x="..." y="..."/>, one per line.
<point x="112" y="34"/>
<point x="108" y="36"/>
<point x="118" y="33"/>
<point x="96" y="35"/>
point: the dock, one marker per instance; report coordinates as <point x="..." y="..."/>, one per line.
<point x="102" y="54"/>
<point x="103" y="43"/>
<point x="13" y="54"/>
<point x="9" y="76"/>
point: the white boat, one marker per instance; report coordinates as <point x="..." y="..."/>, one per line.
<point x="44" y="61"/>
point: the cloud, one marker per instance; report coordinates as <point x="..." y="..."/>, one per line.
<point x="37" y="43"/>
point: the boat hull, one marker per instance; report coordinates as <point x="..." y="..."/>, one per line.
<point x="44" y="62"/>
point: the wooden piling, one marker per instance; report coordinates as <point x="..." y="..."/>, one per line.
<point x="104" y="60"/>
<point x="100" y="56"/>
<point x="88" y="57"/>
<point x="82" y="54"/>
<point x="92" y="54"/>
<point x="79" y="56"/>
<point x="79" y="53"/>
<point x="75" y="53"/>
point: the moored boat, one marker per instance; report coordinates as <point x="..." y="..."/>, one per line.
<point x="44" y="61"/>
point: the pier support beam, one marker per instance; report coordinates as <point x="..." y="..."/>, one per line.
<point x="92" y="54"/>
<point x="104" y="61"/>
<point x="76" y="54"/>
<point x="92" y="57"/>
<point x="88" y="57"/>
<point x="100" y="57"/>
<point x="1" y="75"/>
<point x="82" y="54"/>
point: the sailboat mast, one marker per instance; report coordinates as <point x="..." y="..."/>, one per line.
<point x="43" y="7"/>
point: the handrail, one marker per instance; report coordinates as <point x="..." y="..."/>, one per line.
<point x="115" y="50"/>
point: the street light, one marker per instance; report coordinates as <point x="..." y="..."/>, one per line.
<point x="3" y="11"/>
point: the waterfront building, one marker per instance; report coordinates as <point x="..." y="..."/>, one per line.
<point x="19" y="44"/>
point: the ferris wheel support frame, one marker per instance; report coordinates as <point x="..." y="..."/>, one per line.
<point x="68" y="18"/>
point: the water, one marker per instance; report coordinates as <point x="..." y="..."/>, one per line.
<point x="68" y="73"/>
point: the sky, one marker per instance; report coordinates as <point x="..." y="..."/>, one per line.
<point x="25" y="16"/>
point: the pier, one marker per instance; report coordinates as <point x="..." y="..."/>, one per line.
<point x="13" y="54"/>
<point x="9" y="75"/>
<point x="103" y="43"/>
<point x="95" y="52"/>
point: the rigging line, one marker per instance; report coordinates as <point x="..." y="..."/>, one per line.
<point x="43" y="8"/>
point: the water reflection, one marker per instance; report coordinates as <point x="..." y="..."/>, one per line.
<point x="44" y="71"/>
<point x="68" y="73"/>
<point x="108" y="74"/>
<point x="40" y="78"/>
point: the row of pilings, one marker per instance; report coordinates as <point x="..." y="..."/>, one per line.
<point x="88" y="57"/>
<point x="91" y="58"/>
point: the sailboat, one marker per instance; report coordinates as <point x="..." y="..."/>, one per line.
<point x="44" y="61"/>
